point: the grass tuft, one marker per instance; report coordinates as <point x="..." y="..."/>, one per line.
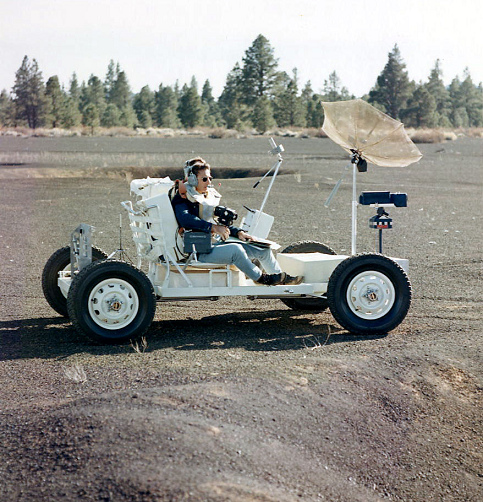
<point x="139" y="347"/>
<point x="315" y="342"/>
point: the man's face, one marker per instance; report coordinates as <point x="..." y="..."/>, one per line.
<point x="204" y="180"/>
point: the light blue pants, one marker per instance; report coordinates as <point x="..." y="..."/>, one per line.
<point x="241" y="255"/>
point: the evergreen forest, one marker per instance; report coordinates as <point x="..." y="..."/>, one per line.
<point x="256" y="95"/>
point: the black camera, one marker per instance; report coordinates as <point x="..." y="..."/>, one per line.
<point x="225" y="215"/>
<point x="383" y="199"/>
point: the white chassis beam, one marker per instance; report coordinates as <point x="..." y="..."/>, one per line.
<point x="282" y="291"/>
<point x="252" y="291"/>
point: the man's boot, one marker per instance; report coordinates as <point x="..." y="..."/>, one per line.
<point x="270" y="279"/>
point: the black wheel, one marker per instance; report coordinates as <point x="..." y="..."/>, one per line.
<point x="111" y="301"/>
<point x="314" y="304"/>
<point x="369" y="294"/>
<point x="59" y="261"/>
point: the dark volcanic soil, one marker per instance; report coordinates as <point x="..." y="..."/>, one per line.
<point x="237" y="400"/>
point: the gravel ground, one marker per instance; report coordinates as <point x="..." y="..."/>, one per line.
<point x="241" y="400"/>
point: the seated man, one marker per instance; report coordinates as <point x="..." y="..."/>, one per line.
<point x="189" y="214"/>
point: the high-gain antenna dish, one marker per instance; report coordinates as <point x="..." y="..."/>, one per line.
<point x="368" y="135"/>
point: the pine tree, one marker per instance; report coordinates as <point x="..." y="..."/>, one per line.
<point x="259" y="72"/>
<point x="7" y="110"/>
<point x="190" y="110"/>
<point x="74" y="89"/>
<point x="262" y="115"/>
<point x="177" y="90"/>
<point x="333" y="89"/>
<point x="393" y="87"/>
<point x="83" y="97"/>
<point x="207" y="94"/>
<point x="212" y="116"/>
<point x="478" y="119"/>
<point x="29" y="92"/>
<point x="421" y="109"/>
<point x="471" y="99"/>
<point x="3" y="107"/>
<point x="144" y="107"/>
<point x="307" y="93"/>
<point x="128" y="117"/>
<point x="109" y="82"/>
<point x="56" y="101"/>
<point x="466" y="102"/>
<point x="233" y="110"/>
<point x="71" y="116"/>
<point x="437" y="89"/>
<point x="91" y="117"/>
<point x="121" y="92"/>
<point x="287" y="105"/>
<point x="121" y="97"/>
<point x="315" y="112"/>
<point x="312" y="105"/>
<point x="95" y="93"/>
<point x="111" y="116"/>
<point x="166" y="108"/>
<point x="459" y="116"/>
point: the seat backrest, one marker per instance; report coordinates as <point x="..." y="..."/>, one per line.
<point x="149" y="187"/>
<point x="154" y="228"/>
<point x="163" y="224"/>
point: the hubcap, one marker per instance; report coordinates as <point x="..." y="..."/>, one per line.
<point x="113" y="304"/>
<point x="370" y="295"/>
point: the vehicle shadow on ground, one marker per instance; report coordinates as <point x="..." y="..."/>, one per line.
<point x="271" y="330"/>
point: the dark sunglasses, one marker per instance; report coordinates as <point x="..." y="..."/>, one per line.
<point x="207" y="178"/>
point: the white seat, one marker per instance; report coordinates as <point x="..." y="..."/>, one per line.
<point x="156" y="236"/>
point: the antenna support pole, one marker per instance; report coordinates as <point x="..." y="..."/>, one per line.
<point x="276" y="150"/>
<point x="354" y="206"/>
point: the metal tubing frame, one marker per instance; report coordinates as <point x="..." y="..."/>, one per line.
<point x="267" y="193"/>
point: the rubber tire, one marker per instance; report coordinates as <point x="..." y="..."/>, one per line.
<point x="59" y="261"/>
<point x="337" y="294"/>
<point x="312" y="304"/>
<point x="85" y="282"/>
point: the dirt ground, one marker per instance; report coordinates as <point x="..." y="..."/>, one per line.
<point x="240" y="400"/>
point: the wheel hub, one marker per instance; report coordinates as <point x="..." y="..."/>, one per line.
<point x="370" y="295"/>
<point x="114" y="304"/>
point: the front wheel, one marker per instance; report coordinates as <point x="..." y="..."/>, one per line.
<point x="369" y="294"/>
<point x="312" y="304"/>
<point x="111" y="301"/>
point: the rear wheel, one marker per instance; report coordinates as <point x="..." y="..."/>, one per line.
<point x="313" y="304"/>
<point x="111" y="301"/>
<point x="60" y="261"/>
<point x="369" y="294"/>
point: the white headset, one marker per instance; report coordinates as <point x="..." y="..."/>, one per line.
<point x="191" y="177"/>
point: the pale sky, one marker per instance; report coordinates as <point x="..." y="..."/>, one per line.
<point x="160" y="41"/>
